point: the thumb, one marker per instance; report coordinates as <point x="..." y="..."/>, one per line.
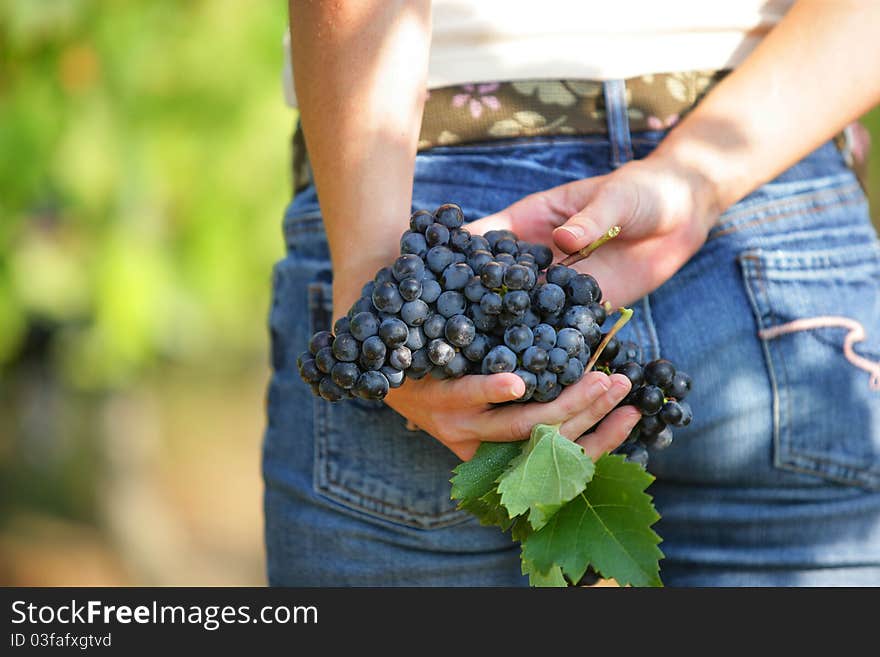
<point x="614" y="204"/>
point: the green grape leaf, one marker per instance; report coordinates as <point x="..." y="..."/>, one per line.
<point x="608" y="525"/>
<point x="552" y="578"/>
<point x="550" y="471"/>
<point x="488" y="510"/>
<point x="520" y="529"/>
<point x="474" y="478"/>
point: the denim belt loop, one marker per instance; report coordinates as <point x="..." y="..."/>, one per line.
<point x="618" y="122"/>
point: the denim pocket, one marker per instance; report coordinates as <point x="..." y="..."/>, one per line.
<point x="818" y="317"/>
<point x="367" y="461"/>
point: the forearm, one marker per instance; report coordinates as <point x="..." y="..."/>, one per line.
<point x="360" y="71"/>
<point x="817" y="71"/>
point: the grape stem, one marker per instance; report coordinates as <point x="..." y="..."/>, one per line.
<point x="585" y="252"/>
<point x="625" y="315"/>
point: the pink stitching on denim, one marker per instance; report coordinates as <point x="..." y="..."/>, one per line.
<point x="856" y="334"/>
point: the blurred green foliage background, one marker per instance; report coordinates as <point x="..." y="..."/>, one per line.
<point x="143" y="174"/>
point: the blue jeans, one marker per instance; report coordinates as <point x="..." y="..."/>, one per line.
<point x="776" y="481"/>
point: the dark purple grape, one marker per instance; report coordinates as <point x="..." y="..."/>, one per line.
<point x="341" y="325"/>
<point x="373" y="348"/>
<point x="634" y="453"/>
<point x="363" y="325"/>
<point x="330" y="391"/>
<point x="450" y="215"/>
<point x="505" y="245"/>
<point x="320" y="340"/>
<point x="393" y="332"/>
<point x="491" y="303"/>
<point x="415" y="313"/>
<point x="560" y="275"/>
<point x="477" y="259"/>
<point x="492" y="275"/>
<point x="516" y="277"/>
<point x="499" y="359"/>
<point x="439" y="258"/>
<point x="545" y="336"/>
<point x="570" y="340"/>
<point x="434" y="326"/>
<point x="549" y="298"/>
<point x="456" y="276"/>
<point x="478" y="243"/>
<point x="346" y="347"/>
<point x="431" y="290"/>
<point x="580" y="318"/>
<point x="659" y="372"/>
<point x="345" y="375"/>
<point x="415" y="338"/>
<point x="557" y="360"/>
<point x="410" y="288"/>
<point x="610" y="351"/>
<point x="477" y="349"/>
<point x="483" y="321"/>
<point x="459" y="238"/>
<point x="542" y="254"/>
<point x="633" y="372"/>
<point x="437" y="235"/>
<point x="420" y="220"/>
<point x="680" y="386"/>
<point x="371" y="385"/>
<point x="650" y="425"/>
<point x="535" y="359"/>
<point x="460" y="330"/>
<point x="687" y="414"/>
<point x="420" y="366"/>
<point x="451" y="303"/>
<point x="505" y="259"/>
<point x="531" y="382"/>
<point x="414" y="243"/>
<point x="518" y="337"/>
<point x="310" y="372"/>
<point x="408" y="266"/>
<point x="362" y="305"/>
<point x="516" y="301"/>
<point x="573" y="372"/>
<point x="457" y="367"/>
<point x="474" y="290"/>
<point x="583" y="289"/>
<point x="597" y="310"/>
<point x="440" y="352"/>
<point x="658" y="441"/>
<point x="400" y="358"/>
<point x="325" y="360"/>
<point x="649" y="399"/>
<point x="386" y="298"/>
<point x="395" y="376"/>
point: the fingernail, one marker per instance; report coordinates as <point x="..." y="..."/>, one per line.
<point x="574" y="230"/>
<point x="633" y="421"/>
<point x="514" y="390"/>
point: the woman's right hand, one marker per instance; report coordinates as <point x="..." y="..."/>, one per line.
<point x="461" y="413"/>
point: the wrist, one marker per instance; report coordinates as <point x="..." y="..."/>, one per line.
<point x="695" y="166"/>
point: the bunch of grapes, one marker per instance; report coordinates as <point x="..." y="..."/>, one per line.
<point x="454" y="304"/>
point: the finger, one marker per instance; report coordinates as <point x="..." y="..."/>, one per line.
<point x="466" y="450"/>
<point x="516" y="422"/>
<point x="534" y="217"/>
<point x="574" y="426"/>
<point x="611" y="205"/>
<point x="611" y="432"/>
<point x="477" y="390"/>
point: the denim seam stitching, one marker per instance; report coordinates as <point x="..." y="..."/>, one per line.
<point x="785" y="455"/>
<point x="838" y="198"/>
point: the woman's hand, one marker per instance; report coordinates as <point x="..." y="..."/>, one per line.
<point x="664" y="211"/>
<point x="460" y="412"/>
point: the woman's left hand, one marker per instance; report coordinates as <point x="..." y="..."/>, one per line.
<point x="665" y="212"/>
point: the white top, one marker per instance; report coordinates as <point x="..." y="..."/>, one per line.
<point x="500" y="40"/>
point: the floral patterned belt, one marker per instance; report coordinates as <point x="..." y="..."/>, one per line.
<point x="480" y="112"/>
